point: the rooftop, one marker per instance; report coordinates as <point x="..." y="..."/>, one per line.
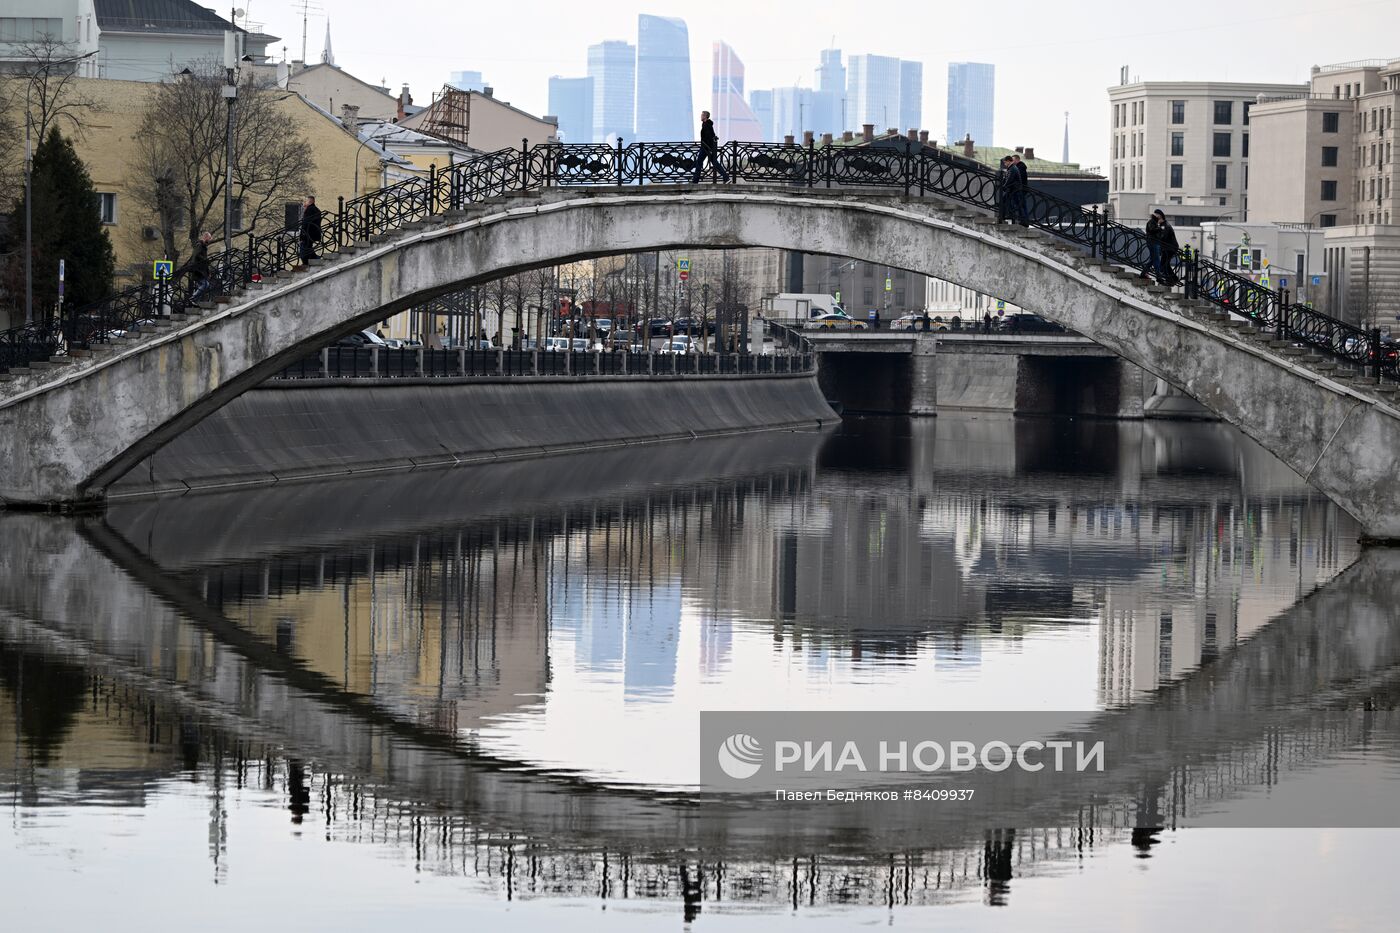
<point x="160" y="16"/>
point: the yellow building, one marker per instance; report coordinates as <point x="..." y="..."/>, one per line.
<point x="107" y="144"/>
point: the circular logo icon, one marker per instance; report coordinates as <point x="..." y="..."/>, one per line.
<point x="740" y="756"/>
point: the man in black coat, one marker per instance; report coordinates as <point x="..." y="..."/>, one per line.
<point x="709" y="148"/>
<point x="309" y="232"/>
<point x="198" y="267"/>
<point x="1010" y="191"/>
<point x="1025" y="175"/>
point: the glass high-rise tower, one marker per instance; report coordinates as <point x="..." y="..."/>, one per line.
<point x="571" y="100"/>
<point x="613" y="67"/>
<point x="971" y="102"/>
<point x="733" y="117"/>
<point x="663" y="80"/>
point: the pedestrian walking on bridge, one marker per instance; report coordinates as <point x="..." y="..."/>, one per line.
<point x="309" y="231"/>
<point x="709" y="149"/>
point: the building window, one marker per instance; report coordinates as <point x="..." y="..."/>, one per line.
<point x="1329" y="156"/>
<point x="899" y="297"/>
<point x="1244" y="112"/>
<point x="1244" y="145"/>
<point x="1330" y="121"/>
<point x="1174" y="177"/>
<point x="867" y="270"/>
<point x="1224" y="202"/>
<point x="1329" y="191"/>
<point x="1221" y="147"/>
<point x="1224" y="112"/>
<point x="30" y="29"/>
<point x="867" y="296"/>
<point x="899" y="274"/>
<point x="1178" y="144"/>
<point x="1222" y="176"/>
<point x="1178" y="112"/>
<point x="107" y="207"/>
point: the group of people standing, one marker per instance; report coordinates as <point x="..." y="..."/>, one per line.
<point x="1014" y="181"/>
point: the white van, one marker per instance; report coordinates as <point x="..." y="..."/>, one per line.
<point x="801" y="307"/>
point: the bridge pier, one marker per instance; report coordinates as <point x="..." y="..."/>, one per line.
<point x="923" y="377"/>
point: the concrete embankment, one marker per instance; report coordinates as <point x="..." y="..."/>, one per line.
<point x="298" y="430"/>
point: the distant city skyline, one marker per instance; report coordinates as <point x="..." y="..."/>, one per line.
<point x="778" y="49"/>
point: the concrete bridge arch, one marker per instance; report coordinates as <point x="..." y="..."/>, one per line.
<point x="70" y="432"/>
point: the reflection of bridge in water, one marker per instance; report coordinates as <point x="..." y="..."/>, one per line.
<point x="391" y="774"/>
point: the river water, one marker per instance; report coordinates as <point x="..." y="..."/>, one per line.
<point x="474" y="694"/>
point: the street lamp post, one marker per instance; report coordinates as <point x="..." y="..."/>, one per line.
<point x="1307" y="248"/>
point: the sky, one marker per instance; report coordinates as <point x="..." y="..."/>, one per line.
<point x="1050" y="57"/>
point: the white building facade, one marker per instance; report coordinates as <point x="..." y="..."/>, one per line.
<point x="1184" y="144"/>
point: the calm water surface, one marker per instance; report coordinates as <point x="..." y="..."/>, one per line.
<point x="473" y="694"/>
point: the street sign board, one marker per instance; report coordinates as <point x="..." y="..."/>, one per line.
<point x="1266" y="282"/>
<point x="1317" y="280"/>
<point x="162" y="269"/>
<point x="887" y="283"/>
<point x="683" y="267"/>
<point x="1265" y="262"/>
<point x="1282" y="283"/>
<point x="1001" y="305"/>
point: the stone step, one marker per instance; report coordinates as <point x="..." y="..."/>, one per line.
<point x="61" y="360"/>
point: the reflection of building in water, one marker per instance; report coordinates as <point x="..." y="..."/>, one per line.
<point x="447" y="627"/>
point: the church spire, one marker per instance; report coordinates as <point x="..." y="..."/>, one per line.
<point x="1066" y="153"/>
<point x="326" y="55"/>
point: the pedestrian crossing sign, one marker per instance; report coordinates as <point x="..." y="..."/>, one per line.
<point x="162" y="269"/>
<point x="1265" y="281"/>
<point x="887" y="283"/>
<point x="1001" y="305"/>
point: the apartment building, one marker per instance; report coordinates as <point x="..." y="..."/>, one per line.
<point x="1185" y="146"/>
<point x="1327" y="159"/>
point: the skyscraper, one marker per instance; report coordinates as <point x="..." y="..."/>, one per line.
<point x="872" y="91"/>
<point x="663" y="80"/>
<point x="971" y="102"/>
<point x="571" y="100"/>
<point x="613" y="67"/>
<point x="761" y="103"/>
<point x="911" y="95"/>
<point x="794" y="109"/>
<point x="733" y="118"/>
<point x="830" y="104"/>
<point x="467" y="80"/>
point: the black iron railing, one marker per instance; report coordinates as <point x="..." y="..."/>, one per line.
<point x="793" y="355"/>
<point x="913" y="171"/>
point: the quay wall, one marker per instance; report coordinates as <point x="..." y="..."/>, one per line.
<point x="299" y="429"/>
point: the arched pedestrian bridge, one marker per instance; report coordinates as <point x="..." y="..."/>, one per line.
<point x="66" y="431"/>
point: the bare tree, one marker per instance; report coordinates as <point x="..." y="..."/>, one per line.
<point x="184" y="158"/>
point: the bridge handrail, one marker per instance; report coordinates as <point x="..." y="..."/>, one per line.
<point x="910" y="169"/>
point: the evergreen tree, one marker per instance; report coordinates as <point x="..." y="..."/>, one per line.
<point x="67" y="224"/>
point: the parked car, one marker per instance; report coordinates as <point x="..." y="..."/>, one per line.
<point x="836" y="322"/>
<point x="363" y="338"/>
<point x="556" y="345"/>
<point x="679" y="346"/>
<point x="1023" y="323"/>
